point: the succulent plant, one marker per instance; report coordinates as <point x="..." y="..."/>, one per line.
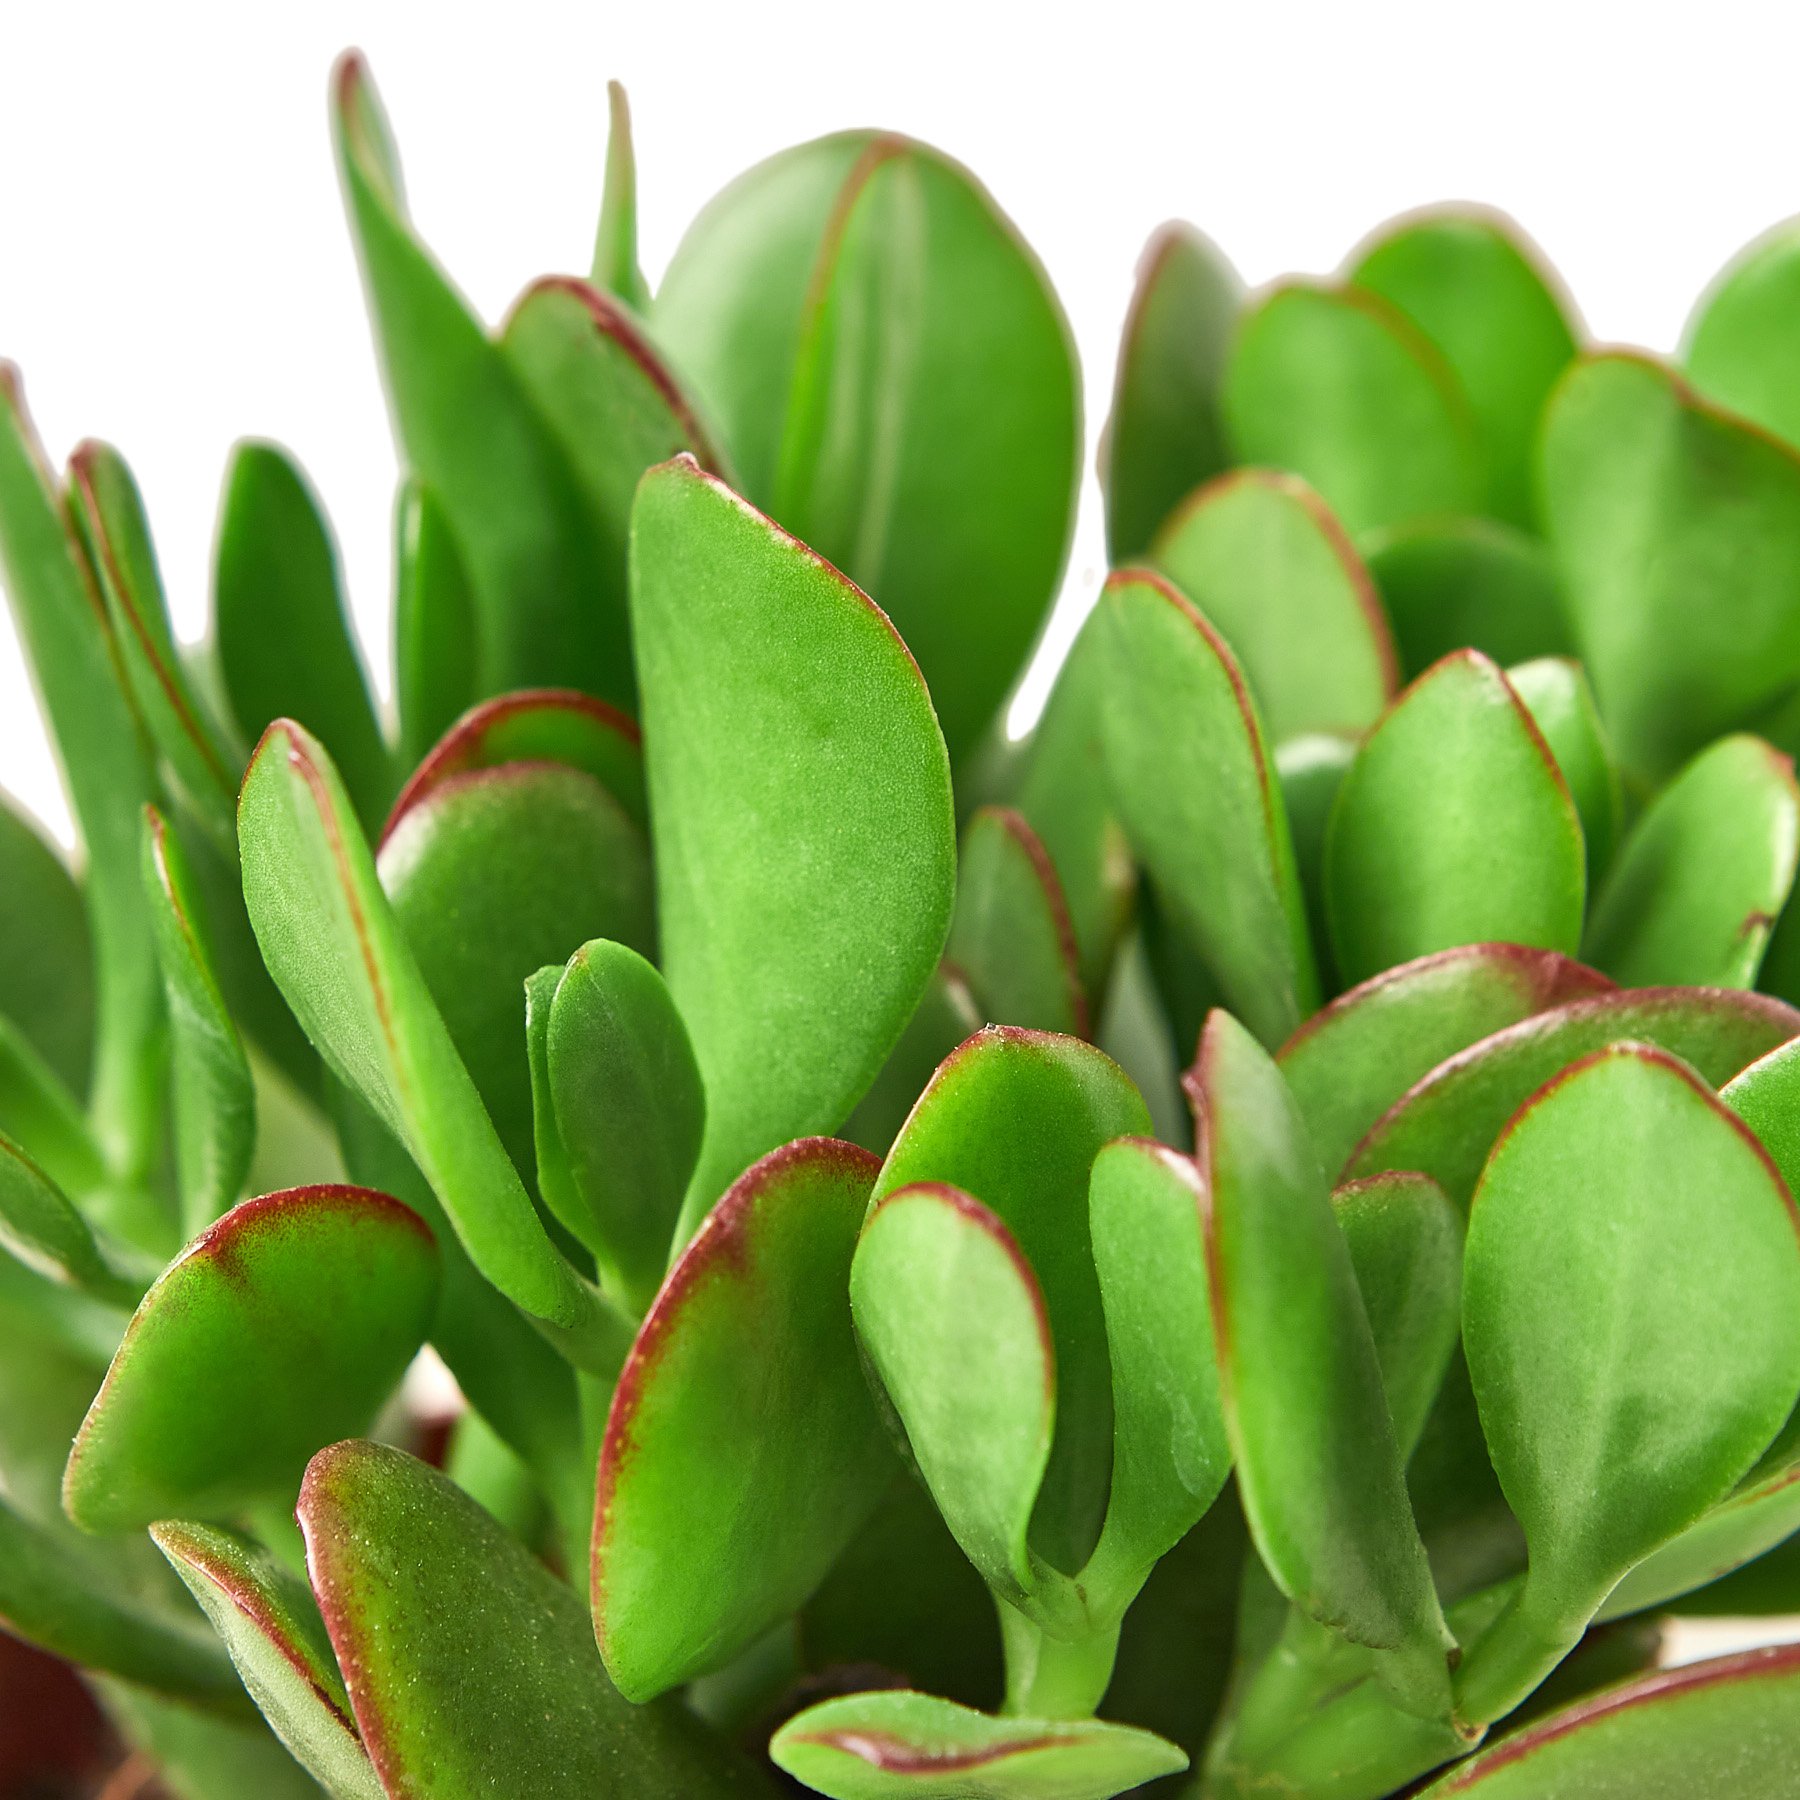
<point x="1416" y="799"/>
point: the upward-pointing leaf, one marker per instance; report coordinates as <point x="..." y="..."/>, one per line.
<point x="46" y="953"/>
<point x="802" y="818"/>
<point x="615" y="239"/>
<point x="1739" y="348"/>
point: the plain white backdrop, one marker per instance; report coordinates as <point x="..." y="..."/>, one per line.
<point x="175" y="272"/>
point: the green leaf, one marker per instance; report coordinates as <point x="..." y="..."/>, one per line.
<point x="629" y="1111"/>
<point x="215" y="1101"/>
<point x="1348" y="1064"/>
<point x="1444" y="1125"/>
<point x="336" y="951"/>
<point x="435" y="644"/>
<point x="1197" y="792"/>
<point x="1012" y="938"/>
<point x="956" y="1328"/>
<point x="1165" y="435"/>
<point x="45" y="1117"/>
<point x="492" y="874"/>
<point x="109" y="512"/>
<point x="871" y="1746"/>
<point x="1561" y="703"/>
<point x="46" y="956"/>
<point x="269" y="1623"/>
<point x="471" y="1668"/>
<point x="1454" y="826"/>
<point x="1311" y="769"/>
<point x="1318" y="1467"/>
<point x="615" y="239"/>
<point x="1737" y="345"/>
<point x="61" y="619"/>
<point x="285" y="644"/>
<point x="548" y="609"/>
<point x="44" y="1231"/>
<point x="1673" y="524"/>
<point x="838" y="305"/>
<point x="285" y="1325"/>
<point x="1631" y="1317"/>
<point x="199" y="1757"/>
<point x="1482" y="293"/>
<point x="1340" y="387"/>
<point x="1453" y="584"/>
<point x="946" y="1017"/>
<point x="742" y="1417"/>
<point x="1170" y="1451"/>
<point x="1262" y="557"/>
<point x="804" y="835"/>
<point x="1015" y="1119"/>
<point x="1405" y="1242"/>
<point x="1704" y="874"/>
<point x="1667" y="1736"/>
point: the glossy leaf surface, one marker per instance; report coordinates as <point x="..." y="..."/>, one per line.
<point x="1704" y="874"/>
<point x="1164" y="436"/>
<point x="805" y="845"/>
<point x="1454" y="826"/>
<point x="1672" y="522"/>
<point x="1192" y="776"/>
<point x="742" y="1417"/>
<point x="471" y="1668"/>
<point x="1270" y="568"/>
<point x="1349" y="1063"/>
<point x="1338" y="386"/>
<point x="839" y="306"/>
<point x="872" y="1746"/>
<point x="269" y="1623"/>
<point x="1631" y="1318"/>
<point x="283" y="1326"/>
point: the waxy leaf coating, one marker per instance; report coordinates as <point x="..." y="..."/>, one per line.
<point x="1196" y="789"/>
<point x="888" y="1746"/>
<point x="1631" y="1318"/>
<point x="802" y="821"/>
<point x="742" y="1418"/>
<point x="283" y="1326"/>
<point x="1453" y="826"/>
<point x="471" y="1668"/>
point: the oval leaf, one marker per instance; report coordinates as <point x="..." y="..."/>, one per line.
<point x="1738" y="346"/>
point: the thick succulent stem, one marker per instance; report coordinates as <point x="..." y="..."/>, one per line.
<point x="1054" y="1678"/>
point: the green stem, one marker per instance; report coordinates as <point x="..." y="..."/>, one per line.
<point x="1510" y="1660"/>
<point x="1054" y="1678"/>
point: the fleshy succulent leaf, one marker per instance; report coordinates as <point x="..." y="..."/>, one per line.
<point x="281" y="1327"/>
<point x="435" y="635"/>
<point x="1453" y="826"/>
<point x="1562" y="706"/>
<point x="742" y="1417"/>
<point x="1737" y="347"/>
<point x="1631" y="1318"/>
<point x="1262" y="557"/>
<point x="43" y="1230"/>
<point x="270" y="1625"/>
<point x="46" y="950"/>
<point x="946" y="1016"/>
<point x="891" y="1745"/>
<point x="471" y="1668"/>
<point x="1704" y="875"/>
<point x="803" y="828"/>
<point x="1164" y="436"/>
<point x="1340" y="387"/>
<point x="615" y="238"/>
<point x="1198" y="796"/>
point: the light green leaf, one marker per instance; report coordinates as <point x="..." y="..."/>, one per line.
<point x="1562" y="706"/>
<point x="435" y="634"/>
<point x="615" y="239"/>
<point x="46" y="953"/>
<point x="1738" y="346"/>
<point x="43" y="1231"/>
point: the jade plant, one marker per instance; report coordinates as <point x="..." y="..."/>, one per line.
<point x="1242" y="1243"/>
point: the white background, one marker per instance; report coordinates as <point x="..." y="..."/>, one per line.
<point x="175" y="272"/>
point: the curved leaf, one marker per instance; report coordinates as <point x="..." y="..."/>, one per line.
<point x="46" y="954"/>
<point x="1737" y="345"/>
<point x="803" y="828"/>
<point x="1561" y="703"/>
<point x="615" y="238"/>
<point x="42" y="1230"/>
<point x="1453" y="826"/>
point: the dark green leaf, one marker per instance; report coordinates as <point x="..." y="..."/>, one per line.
<point x="1738" y="347"/>
<point x="1704" y="874"/>
<point x="1561" y="704"/>
<point x="615" y="240"/>
<point x="873" y="1746"/>
<point x="435" y="641"/>
<point x="1165" y="436"/>
<point x="1197" y="791"/>
<point x="1454" y="826"/>
<point x="471" y="1668"/>
<point x="46" y="957"/>
<point x="1631" y="1318"/>
<point x="1348" y="1064"/>
<point x="1481" y="292"/>
<point x="285" y="1325"/>
<point x="1340" y="387"/>
<point x="742" y="1418"/>
<point x="269" y="1623"/>
<point x="839" y="306"/>
<point x="804" y="834"/>
<point x="285" y="644"/>
<point x="1262" y="557"/>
